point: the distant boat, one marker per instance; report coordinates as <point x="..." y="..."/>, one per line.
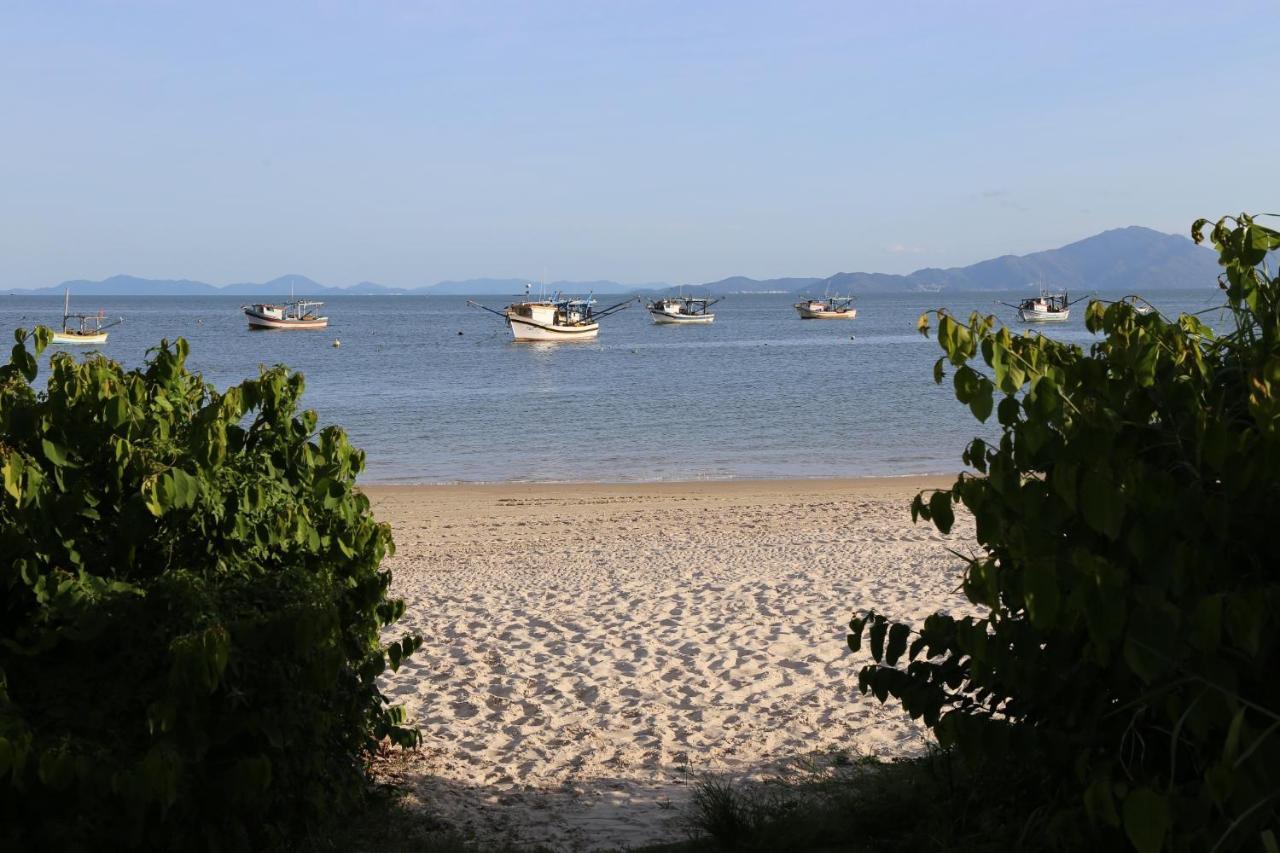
<point x="298" y="314"/>
<point x="827" y="308"/>
<point x="1139" y="305"/>
<point x="559" y="318"/>
<point x="929" y="288"/>
<point x="681" y="310"/>
<point x="1048" y="307"/>
<point x="90" y="328"/>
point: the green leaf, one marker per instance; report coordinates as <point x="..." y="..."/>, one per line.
<point x="13" y="468"/>
<point x="184" y="488"/>
<point x="1008" y="411"/>
<point x="980" y="403"/>
<point x="1100" y="803"/>
<point x="940" y="510"/>
<point x="856" y="625"/>
<point x="153" y="498"/>
<point x="1146" y="820"/>
<point x="1040" y="588"/>
<point x="879" y="628"/>
<point x="1101" y="503"/>
<point x="1246" y="616"/>
<point x="898" y="634"/>
<point x="1231" y="747"/>
<point x="966" y="382"/>
<point x="1206" y="623"/>
<point x="54" y="452"/>
<point x="117" y="410"/>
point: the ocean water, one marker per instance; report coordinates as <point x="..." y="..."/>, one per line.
<point x="435" y="391"/>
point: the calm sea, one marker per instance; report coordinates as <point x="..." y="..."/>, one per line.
<point x="435" y="391"/>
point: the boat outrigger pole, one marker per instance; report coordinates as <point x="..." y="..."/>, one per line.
<point x="486" y="308"/>
<point x="605" y="312"/>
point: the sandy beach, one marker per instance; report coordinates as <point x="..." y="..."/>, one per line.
<point x="591" y="649"/>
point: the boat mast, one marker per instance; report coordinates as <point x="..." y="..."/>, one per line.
<point x="66" y="308"/>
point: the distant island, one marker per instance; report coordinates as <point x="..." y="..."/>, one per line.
<point x="1133" y="258"/>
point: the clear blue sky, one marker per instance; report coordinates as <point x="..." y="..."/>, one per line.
<point x="410" y="142"/>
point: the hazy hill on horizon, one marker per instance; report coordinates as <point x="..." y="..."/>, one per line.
<point x="1133" y="258"/>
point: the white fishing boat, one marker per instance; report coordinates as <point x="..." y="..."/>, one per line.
<point x="1048" y="307"/>
<point x="827" y="308"/>
<point x="89" y="328"/>
<point x="681" y="310"/>
<point x="1138" y="304"/>
<point x="559" y="318"/>
<point x="298" y="314"/>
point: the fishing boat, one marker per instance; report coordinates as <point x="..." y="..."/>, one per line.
<point x="681" y="310"/>
<point x="560" y="318"/>
<point x="1048" y="307"/>
<point x="298" y="314"/>
<point x="1138" y="304"/>
<point x="827" y="308"/>
<point x="89" y="327"/>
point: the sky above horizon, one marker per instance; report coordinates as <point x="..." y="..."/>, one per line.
<point x="412" y="142"/>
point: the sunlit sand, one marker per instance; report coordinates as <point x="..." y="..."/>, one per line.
<point x="589" y="649"/>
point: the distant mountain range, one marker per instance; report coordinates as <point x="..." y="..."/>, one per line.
<point x="1134" y="258"/>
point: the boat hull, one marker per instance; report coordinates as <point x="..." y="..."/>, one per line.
<point x="808" y="314"/>
<point x="74" y="338"/>
<point x="663" y="318"/>
<point x="524" y="330"/>
<point x="257" y="321"/>
<point x="1028" y="315"/>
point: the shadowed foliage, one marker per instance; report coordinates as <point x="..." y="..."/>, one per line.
<point x="190" y="609"/>
<point x="1124" y="518"/>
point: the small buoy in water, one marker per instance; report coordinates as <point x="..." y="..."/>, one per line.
<point x="851" y="337"/>
<point x="459" y="332"/>
<point x="337" y="344"/>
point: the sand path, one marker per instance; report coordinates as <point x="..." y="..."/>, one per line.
<point x="592" y="648"/>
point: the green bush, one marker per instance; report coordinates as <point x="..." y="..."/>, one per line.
<point x="1126" y="568"/>
<point x="190" y="609"/>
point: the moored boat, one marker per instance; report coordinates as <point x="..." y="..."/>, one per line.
<point x="89" y="327"/>
<point x="1048" y="307"/>
<point x="827" y="308"/>
<point x="681" y="310"/>
<point x="1139" y="305"/>
<point x="298" y="314"/>
<point x="559" y="318"/>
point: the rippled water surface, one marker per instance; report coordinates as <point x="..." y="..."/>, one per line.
<point x="435" y="391"/>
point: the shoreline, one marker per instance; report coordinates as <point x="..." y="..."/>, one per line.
<point x="745" y="485"/>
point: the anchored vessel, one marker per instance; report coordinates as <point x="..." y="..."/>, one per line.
<point x="560" y="318"/>
<point x="681" y="310"/>
<point x="90" y="328"/>
<point x="298" y="314"/>
<point x="1140" y="305"/>
<point x="1048" y="307"/>
<point x="827" y="308"/>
